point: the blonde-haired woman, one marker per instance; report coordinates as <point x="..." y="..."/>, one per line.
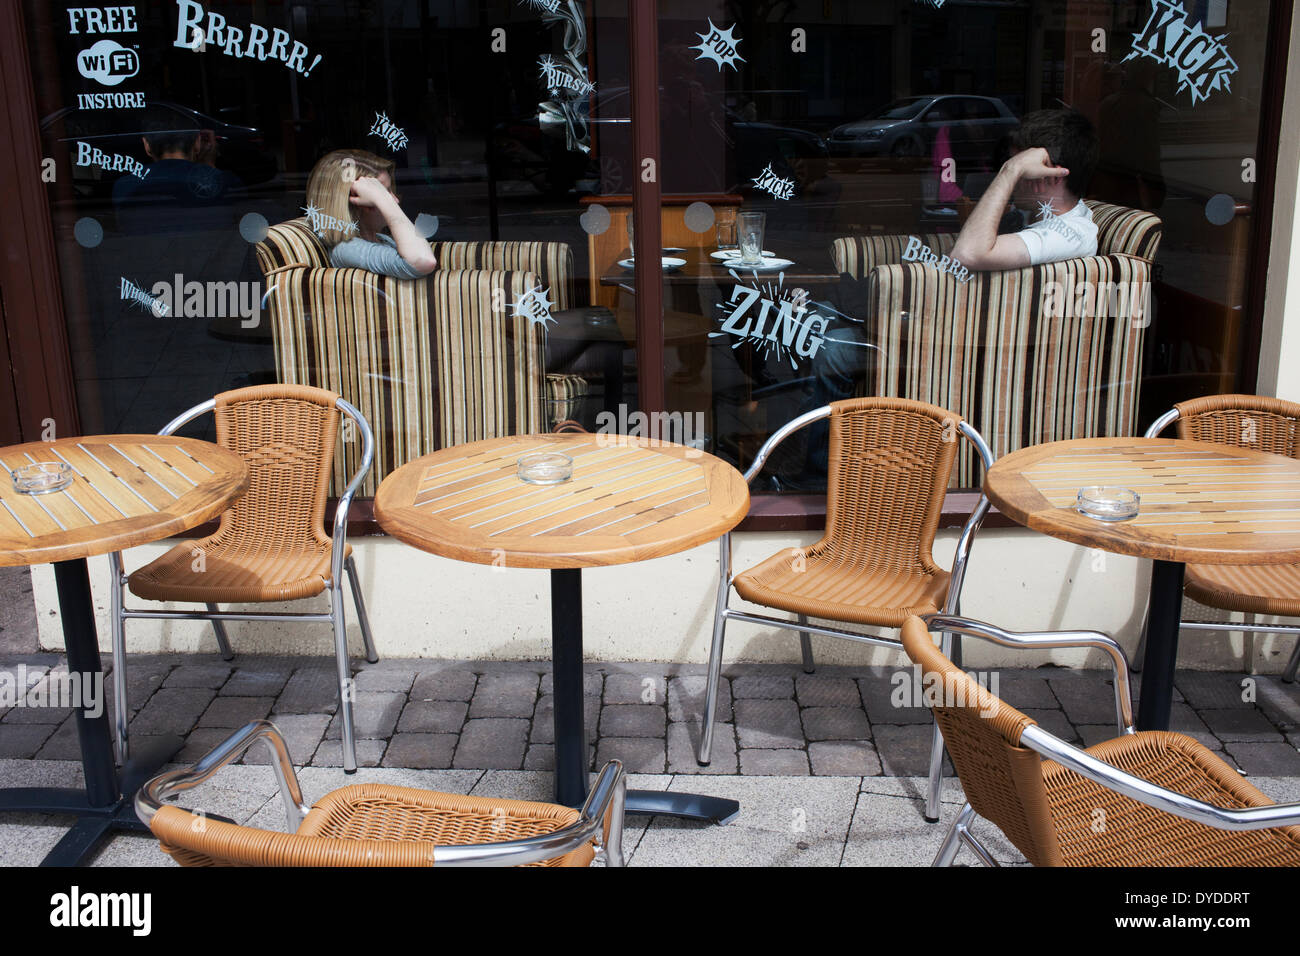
<point x="350" y="200"/>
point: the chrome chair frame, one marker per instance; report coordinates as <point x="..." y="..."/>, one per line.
<point x="1248" y="628"/>
<point x="723" y="613"/>
<point x="607" y="797"/>
<point x="1068" y="755"/>
<point x="339" y="564"/>
<point x="959" y="833"/>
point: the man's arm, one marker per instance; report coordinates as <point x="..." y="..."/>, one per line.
<point x="979" y="247"/>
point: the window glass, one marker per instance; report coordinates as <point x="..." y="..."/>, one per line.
<point x="867" y="136"/>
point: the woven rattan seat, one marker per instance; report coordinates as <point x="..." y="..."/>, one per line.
<point x="373" y="824"/>
<point x="1057" y="817"/>
<point x="819" y="583"/>
<point x="1260" y="423"/>
<point x="236" y="569"/>
<point x="367" y="825"/>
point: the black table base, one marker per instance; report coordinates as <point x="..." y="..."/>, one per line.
<point x="570" y="733"/>
<point x="1164" y="614"/>
<point x="106" y="803"/>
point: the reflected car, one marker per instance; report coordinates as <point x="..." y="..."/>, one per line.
<point x="908" y="127"/>
<point x="241" y="150"/>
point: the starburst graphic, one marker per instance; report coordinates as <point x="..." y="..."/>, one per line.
<point x="774" y="320"/>
<point x="720" y="46"/>
<point x="535" y="305"/>
<point x="1045" y="210"/>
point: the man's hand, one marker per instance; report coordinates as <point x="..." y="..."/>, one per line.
<point x="1036" y="166"/>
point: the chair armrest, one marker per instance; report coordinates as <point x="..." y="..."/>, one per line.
<point x="1146" y="792"/>
<point x="601" y="819"/>
<point x="1040" y="640"/>
<point x="1161" y="423"/>
<point x="345" y="499"/>
<point x="149" y="798"/>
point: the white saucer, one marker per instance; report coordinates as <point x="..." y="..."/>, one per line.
<point x="668" y="263"/>
<point x="732" y="254"/>
<point x="768" y="264"/>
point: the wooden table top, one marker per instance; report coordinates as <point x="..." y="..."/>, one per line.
<point x="127" y="490"/>
<point x="1200" y="503"/>
<point x="700" y="267"/>
<point x="628" y="500"/>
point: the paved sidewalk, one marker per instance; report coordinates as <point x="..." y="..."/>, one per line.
<point x="773" y="720"/>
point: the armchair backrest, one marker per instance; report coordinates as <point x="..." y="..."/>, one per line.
<point x="1031" y="355"/>
<point x="551" y="262"/>
<point x="291" y="243"/>
<point x="429" y="362"/>
<point x="1002" y="780"/>
<point x="1121" y="230"/>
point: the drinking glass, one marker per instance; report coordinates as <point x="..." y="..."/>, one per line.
<point x="631" y="245"/>
<point x="750" y="235"/>
<point x="727" y="234"/>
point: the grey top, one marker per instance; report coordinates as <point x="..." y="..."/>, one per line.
<point x="381" y="257"/>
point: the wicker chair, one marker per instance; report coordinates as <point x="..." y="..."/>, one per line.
<point x="1141" y="799"/>
<point x="271" y="545"/>
<point x="380" y="825"/>
<point x="890" y="460"/>
<point x="1264" y="424"/>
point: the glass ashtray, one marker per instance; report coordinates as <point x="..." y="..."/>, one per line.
<point x="42" y="477"/>
<point x="1108" y="502"/>
<point x="545" y="468"/>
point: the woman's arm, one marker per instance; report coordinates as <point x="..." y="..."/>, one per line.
<point x="413" y="247"/>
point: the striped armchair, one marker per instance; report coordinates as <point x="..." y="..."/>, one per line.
<point x="1022" y="360"/>
<point x="427" y="361"/>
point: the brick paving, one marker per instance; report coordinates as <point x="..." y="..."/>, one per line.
<point x="487" y="715"/>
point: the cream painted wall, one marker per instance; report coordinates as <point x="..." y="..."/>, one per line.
<point x="661" y="610"/>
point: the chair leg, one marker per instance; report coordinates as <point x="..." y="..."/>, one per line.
<point x="952" y="842"/>
<point x="715" y="675"/>
<point x="936" y="746"/>
<point x="350" y="569"/>
<point x="344" y="676"/>
<point x="121" y="708"/>
<point x="223" y="640"/>
<point x="1288" y="675"/>
<point x="805" y="645"/>
<point x="1248" y="646"/>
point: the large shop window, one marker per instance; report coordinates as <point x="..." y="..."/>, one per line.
<point x="839" y="214"/>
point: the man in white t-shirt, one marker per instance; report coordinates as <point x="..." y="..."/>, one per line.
<point x="1056" y="152"/>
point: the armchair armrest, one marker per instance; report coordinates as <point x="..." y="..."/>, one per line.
<point x="149" y="798"/>
<point x="1143" y="791"/>
<point x="1041" y="640"/>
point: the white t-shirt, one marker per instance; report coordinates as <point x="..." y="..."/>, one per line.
<point x="1068" y="236"/>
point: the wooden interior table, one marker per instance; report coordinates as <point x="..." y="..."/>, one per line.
<point x="1200" y="503"/>
<point x="628" y="500"/>
<point x="126" y="490"/>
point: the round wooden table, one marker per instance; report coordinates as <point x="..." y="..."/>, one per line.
<point x="628" y="500"/>
<point x="1200" y="503"/>
<point x="127" y="490"/>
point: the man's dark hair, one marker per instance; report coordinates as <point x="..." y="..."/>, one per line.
<point x="167" y="132"/>
<point x="1069" y="138"/>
